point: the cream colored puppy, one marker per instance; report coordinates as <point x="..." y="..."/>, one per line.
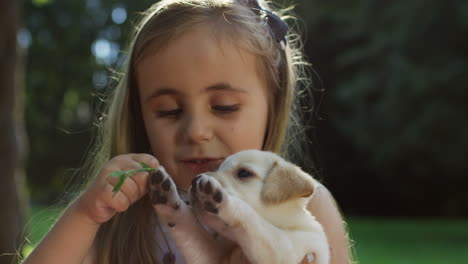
<point x="255" y="199"/>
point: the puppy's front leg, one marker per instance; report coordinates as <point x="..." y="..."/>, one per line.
<point x="196" y="245"/>
<point x="260" y="241"/>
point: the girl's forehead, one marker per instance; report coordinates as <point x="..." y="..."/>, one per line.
<point x="202" y="37"/>
<point x="200" y="57"/>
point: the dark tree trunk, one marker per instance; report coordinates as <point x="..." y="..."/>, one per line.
<point x="13" y="142"/>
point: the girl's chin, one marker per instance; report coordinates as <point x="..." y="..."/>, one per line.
<point x="183" y="179"/>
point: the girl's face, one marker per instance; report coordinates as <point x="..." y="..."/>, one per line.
<point x="202" y="100"/>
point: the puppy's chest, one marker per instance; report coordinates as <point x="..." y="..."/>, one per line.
<point x="284" y="216"/>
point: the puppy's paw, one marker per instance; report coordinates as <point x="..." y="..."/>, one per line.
<point x="216" y="208"/>
<point x="164" y="196"/>
<point x="163" y="190"/>
<point x="207" y="194"/>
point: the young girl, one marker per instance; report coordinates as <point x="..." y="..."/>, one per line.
<point x="204" y="79"/>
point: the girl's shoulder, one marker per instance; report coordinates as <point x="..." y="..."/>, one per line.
<point x="325" y="209"/>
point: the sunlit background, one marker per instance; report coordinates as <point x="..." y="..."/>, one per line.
<point x="389" y="134"/>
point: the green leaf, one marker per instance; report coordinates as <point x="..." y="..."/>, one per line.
<point x="118" y="174"/>
<point x="119" y="184"/>
<point x="145" y="166"/>
<point x="123" y="175"/>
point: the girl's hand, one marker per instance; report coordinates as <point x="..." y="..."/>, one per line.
<point x="100" y="204"/>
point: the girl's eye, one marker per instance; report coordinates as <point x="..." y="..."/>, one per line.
<point x="243" y="173"/>
<point x="169" y="113"/>
<point x="226" y="108"/>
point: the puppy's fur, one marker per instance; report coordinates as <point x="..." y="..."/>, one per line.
<point x="256" y="200"/>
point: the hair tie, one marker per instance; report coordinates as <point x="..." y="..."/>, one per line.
<point x="277" y="26"/>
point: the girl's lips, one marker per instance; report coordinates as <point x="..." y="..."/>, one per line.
<point x="204" y="166"/>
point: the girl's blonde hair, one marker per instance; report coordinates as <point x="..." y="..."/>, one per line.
<point x="128" y="237"/>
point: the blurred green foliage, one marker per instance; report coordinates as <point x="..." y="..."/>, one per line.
<point x="409" y="241"/>
<point x="72" y="47"/>
<point x="394" y="139"/>
<point x="393" y="136"/>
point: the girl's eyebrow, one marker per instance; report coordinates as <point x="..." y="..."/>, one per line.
<point x="215" y="87"/>
<point x="224" y="86"/>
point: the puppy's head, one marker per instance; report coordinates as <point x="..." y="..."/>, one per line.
<point x="263" y="179"/>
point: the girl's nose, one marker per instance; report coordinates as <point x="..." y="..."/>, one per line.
<point x="197" y="129"/>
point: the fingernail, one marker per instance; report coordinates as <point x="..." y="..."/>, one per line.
<point x="310" y="257"/>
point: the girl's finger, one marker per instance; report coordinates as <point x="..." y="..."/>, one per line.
<point x="141" y="180"/>
<point x="146" y="158"/>
<point x="120" y="164"/>
<point x="129" y="188"/>
<point x="118" y="201"/>
<point x="134" y="186"/>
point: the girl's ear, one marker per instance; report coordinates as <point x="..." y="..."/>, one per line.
<point x="285" y="182"/>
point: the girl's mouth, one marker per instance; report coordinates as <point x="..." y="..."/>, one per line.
<point x="198" y="166"/>
<point x="201" y="161"/>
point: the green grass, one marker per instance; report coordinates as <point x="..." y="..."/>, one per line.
<point x="377" y="241"/>
<point x="37" y="226"/>
<point x="40" y="222"/>
<point x="386" y="241"/>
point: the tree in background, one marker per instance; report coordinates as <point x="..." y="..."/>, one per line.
<point x="73" y="49"/>
<point x="12" y="135"/>
<point x="396" y="76"/>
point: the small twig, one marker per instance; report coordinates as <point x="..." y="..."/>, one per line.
<point x="123" y="175"/>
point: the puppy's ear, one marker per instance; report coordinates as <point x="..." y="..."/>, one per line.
<point x="284" y="183"/>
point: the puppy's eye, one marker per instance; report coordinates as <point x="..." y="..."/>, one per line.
<point x="243" y="173"/>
